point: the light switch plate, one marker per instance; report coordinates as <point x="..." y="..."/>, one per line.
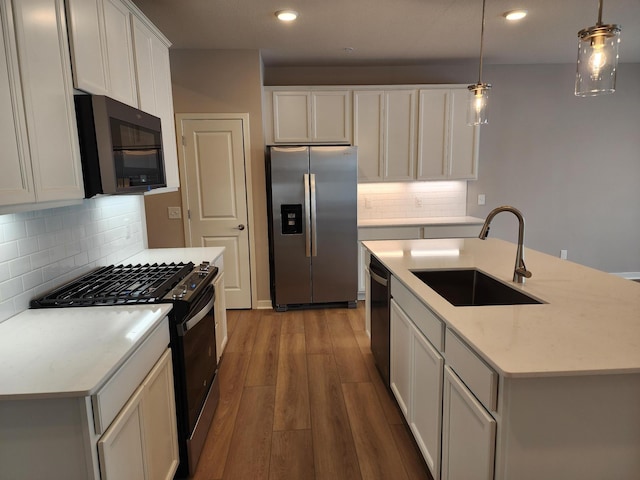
<point x="174" y="212"/>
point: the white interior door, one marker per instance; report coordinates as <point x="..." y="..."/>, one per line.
<point x="215" y="195"/>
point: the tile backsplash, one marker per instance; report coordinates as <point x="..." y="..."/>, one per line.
<point x="42" y="249"/>
<point x="412" y="200"/>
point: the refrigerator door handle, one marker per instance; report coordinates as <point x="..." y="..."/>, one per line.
<point x="314" y="229"/>
<point x="307" y="216"/>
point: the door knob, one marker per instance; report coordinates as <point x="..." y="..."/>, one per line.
<point x="240" y="227"/>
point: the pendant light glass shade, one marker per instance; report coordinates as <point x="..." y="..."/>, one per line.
<point x="479" y="92"/>
<point x="597" y="58"/>
<point x="477" y="104"/>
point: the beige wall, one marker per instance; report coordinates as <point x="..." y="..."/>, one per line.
<point x="221" y="81"/>
<point x="162" y="231"/>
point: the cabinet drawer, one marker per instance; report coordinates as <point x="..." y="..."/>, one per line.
<point x="108" y="401"/>
<point x="426" y="321"/>
<point x="477" y="375"/>
<point x="451" y="231"/>
<point x="388" y="233"/>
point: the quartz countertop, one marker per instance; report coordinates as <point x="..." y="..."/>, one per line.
<point x="418" y="221"/>
<point x="168" y="255"/>
<point x="589" y="323"/>
<point x="70" y="352"/>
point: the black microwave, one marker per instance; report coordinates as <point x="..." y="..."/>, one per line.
<point x="120" y="147"/>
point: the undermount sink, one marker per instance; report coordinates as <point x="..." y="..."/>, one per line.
<point x="469" y="288"/>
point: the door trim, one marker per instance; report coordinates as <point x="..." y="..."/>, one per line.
<point x="184" y="188"/>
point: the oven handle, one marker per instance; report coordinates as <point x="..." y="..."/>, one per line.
<point x="184" y="327"/>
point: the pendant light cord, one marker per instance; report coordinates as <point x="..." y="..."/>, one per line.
<point x="599" y="12"/>
<point x="482" y="41"/>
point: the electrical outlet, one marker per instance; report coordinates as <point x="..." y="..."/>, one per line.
<point x="174" y="212"/>
<point x="367" y="202"/>
<point x="563" y="254"/>
<point x="481" y="199"/>
<point x="418" y="202"/>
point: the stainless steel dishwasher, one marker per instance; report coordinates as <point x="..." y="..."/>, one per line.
<point x="380" y="289"/>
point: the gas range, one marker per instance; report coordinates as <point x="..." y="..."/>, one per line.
<point x="191" y="291"/>
<point x="130" y="284"/>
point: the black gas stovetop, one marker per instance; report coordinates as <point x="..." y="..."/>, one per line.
<point x="117" y="285"/>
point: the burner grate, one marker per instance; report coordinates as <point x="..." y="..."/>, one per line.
<point x="117" y="285"/>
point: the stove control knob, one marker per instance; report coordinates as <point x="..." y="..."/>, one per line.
<point x="179" y="292"/>
<point x="204" y="266"/>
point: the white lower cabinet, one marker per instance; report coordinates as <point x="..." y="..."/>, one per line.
<point x="141" y="442"/>
<point x="453" y="430"/>
<point x="220" y="312"/>
<point x="469" y="434"/>
<point x="126" y="430"/>
<point x="121" y="447"/>
<point x="159" y="421"/>
<point x="416" y="381"/>
<point x="400" y="357"/>
<point x="425" y="419"/>
<point x="367" y="300"/>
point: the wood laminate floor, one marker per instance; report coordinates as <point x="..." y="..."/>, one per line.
<point x="300" y="398"/>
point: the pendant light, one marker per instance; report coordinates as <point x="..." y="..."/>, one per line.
<point x="597" y="58"/>
<point x="479" y="92"/>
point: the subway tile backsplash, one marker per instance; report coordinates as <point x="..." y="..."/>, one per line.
<point x="412" y="200"/>
<point x="42" y="249"/>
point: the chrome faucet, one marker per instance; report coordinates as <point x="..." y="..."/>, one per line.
<point x="520" y="271"/>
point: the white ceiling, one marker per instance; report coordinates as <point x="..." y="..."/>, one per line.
<point x="387" y="32"/>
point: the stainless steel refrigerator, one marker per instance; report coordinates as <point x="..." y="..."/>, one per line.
<point x="313" y="225"/>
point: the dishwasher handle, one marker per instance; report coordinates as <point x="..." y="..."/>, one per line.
<point x="381" y="280"/>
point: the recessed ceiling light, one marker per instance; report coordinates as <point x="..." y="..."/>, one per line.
<point x="514" y="15"/>
<point x="287" y="15"/>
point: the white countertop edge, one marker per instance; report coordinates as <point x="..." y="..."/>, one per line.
<point x="108" y="357"/>
<point x="440" y="307"/>
<point x="418" y="221"/>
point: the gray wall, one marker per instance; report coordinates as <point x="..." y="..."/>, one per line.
<point x="572" y="165"/>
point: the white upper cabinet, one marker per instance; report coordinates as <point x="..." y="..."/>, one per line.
<point x="368" y="128"/>
<point x="403" y="132"/>
<point x="400" y="135"/>
<point x="144" y="43"/>
<point x="447" y="146"/>
<point x="102" y="48"/>
<point x="155" y="95"/>
<point x="385" y="133"/>
<point x="44" y="158"/>
<point x="311" y="116"/>
<point x="16" y="181"/>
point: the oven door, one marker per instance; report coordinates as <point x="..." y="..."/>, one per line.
<point x="201" y="391"/>
<point x="197" y="334"/>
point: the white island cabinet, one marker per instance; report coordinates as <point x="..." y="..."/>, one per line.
<point x="87" y="393"/>
<point x="503" y="392"/>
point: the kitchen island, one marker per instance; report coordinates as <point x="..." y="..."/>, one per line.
<point x="548" y="390"/>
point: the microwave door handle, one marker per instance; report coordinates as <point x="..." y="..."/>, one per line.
<point x="184" y="327"/>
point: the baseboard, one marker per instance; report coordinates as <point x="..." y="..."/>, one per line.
<point x="628" y="275"/>
<point x="264" y="305"/>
